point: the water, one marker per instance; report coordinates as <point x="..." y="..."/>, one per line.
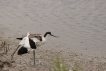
<point x="81" y="24"/>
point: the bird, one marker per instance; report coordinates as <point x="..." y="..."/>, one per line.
<point x="31" y="42"/>
<point x="38" y="38"/>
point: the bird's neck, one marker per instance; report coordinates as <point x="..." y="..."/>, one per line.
<point x="46" y="35"/>
<point x="45" y="38"/>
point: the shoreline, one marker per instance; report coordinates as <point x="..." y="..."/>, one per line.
<point x="44" y="59"/>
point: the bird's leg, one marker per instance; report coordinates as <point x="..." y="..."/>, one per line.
<point x="14" y="52"/>
<point x="34" y="56"/>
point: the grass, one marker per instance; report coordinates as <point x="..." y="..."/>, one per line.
<point x="59" y="65"/>
<point x="5" y="47"/>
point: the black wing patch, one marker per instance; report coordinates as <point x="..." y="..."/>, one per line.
<point x="22" y="50"/>
<point x="32" y="44"/>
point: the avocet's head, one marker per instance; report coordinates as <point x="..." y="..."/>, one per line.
<point x="49" y="33"/>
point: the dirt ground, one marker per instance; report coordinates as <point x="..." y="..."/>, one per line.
<point x="44" y="59"/>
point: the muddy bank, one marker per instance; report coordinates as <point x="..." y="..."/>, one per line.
<point x="44" y="59"/>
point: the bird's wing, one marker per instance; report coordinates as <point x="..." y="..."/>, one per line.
<point x="38" y="36"/>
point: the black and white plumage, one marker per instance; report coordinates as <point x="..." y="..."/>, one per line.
<point x="31" y="42"/>
<point x="27" y="45"/>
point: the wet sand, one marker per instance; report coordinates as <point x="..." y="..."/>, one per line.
<point x="80" y="25"/>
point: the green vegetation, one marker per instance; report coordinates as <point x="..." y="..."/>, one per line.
<point x="5" y="46"/>
<point x="59" y="65"/>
